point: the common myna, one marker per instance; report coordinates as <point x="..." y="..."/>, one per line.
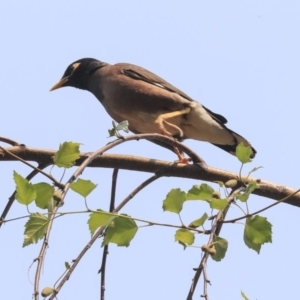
<point x="149" y="103"/>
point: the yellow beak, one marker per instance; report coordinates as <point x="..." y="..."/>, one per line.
<point x="59" y="84"/>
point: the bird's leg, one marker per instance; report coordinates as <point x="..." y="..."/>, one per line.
<point x="161" y="121"/>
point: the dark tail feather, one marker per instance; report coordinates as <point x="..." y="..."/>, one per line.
<point x="232" y="148"/>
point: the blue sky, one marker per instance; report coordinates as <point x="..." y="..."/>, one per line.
<point x="238" y="58"/>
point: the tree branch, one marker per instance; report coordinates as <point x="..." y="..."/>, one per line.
<point x="134" y="163"/>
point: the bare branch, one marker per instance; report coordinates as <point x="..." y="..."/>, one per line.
<point x="10" y="141"/>
<point x="105" y="248"/>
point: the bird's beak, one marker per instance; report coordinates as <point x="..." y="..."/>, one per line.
<point x="60" y="83"/>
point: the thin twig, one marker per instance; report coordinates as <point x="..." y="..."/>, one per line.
<point x="100" y="231"/>
<point x="157" y="137"/>
<point x="260" y="210"/>
<point x="41" y="256"/>
<point x="215" y="231"/>
<point x="56" y="183"/>
<point x="11" y="199"/>
<point x="10" y="141"/>
<point x="105" y="248"/>
<point x="206" y="282"/>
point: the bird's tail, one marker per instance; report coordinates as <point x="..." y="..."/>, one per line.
<point x="237" y="140"/>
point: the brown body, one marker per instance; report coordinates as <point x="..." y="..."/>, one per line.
<point x="149" y="103"/>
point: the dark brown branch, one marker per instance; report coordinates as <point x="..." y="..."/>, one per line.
<point x="134" y="163"/>
<point x="9" y="141"/>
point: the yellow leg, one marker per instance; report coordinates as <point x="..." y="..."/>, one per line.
<point x="161" y="121"/>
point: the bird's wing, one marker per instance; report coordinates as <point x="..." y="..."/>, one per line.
<point x="139" y="73"/>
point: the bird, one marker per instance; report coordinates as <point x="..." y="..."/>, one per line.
<point x="150" y="104"/>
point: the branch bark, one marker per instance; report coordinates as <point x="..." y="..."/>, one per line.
<point x="134" y="163"/>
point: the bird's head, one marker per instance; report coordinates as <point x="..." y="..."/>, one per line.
<point x="78" y="73"/>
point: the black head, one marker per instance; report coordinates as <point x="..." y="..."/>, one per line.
<point x="78" y="73"/>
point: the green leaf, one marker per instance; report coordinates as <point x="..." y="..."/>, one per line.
<point x="174" y="201"/>
<point x="244" y="296"/>
<point x="200" y="192"/>
<point x="44" y="193"/>
<point x="220" y="183"/>
<point x="184" y="237"/>
<point x="98" y="219"/>
<point x="199" y="222"/>
<point x="257" y="232"/>
<point x="218" y="204"/>
<point x="35" y="228"/>
<point x="67" y="265"/>
<point x="83" y="187"/>
<point x="25" y="190"/>
<point x="243" y="153"/>
<point x="122" y="233"/>
<point x="117" y="127"/>
<point x="250" y="188"/>
<point x="67" y="154"/>
<point x="221" y="246"/>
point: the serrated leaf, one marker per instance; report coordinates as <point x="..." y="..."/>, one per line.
<point x="244" y="296"/>
<point x="250" y="188"/>
<point x="184" y="237"/>
<point x="221" y="246"/>
<point x="257" y="232"/>
<point x="99" y="219"/>
<point x="199" y="222"/>
<point x="174" y="201"/>
<point x="122" y="233"/>
<point x="35" y="228"/>
<point x="67" y="155"/>
<point x="25" y="190"/>
<point x="44" y="193"/>
<point x="218" y="204"/>
<point x="200" y="192"/>
<point x="83" y="187"/>
<point x="243" y="153"/>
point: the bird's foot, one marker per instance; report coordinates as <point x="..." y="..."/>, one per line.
<point x="181" y="158"/>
